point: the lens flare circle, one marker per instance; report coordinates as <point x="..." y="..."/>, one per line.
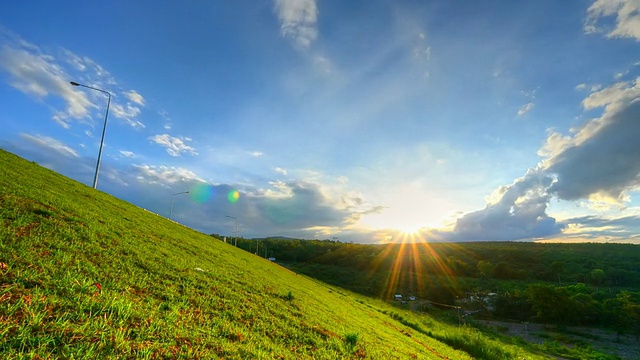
<point x="201" y="193"/>
<point x="233" y="196"/>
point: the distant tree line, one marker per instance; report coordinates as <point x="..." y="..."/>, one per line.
<point x="286" y="250"/>
<point x="565" y="284"/>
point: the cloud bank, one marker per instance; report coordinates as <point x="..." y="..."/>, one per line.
<point x="626" y="23"/>
<point x="597" y="161"/>
<point x="294" y="208"/>
<point x="51" y="144"/>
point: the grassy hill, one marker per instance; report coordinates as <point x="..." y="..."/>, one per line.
<point x="86" y="275"/>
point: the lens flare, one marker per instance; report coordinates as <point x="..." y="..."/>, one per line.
<point x="233" y="196"/>
<point x="413" y="265"/>
<point x="201" y="193"/>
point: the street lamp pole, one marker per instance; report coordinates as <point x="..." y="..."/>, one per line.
<point x="235" y="242"/>
<point x="171" y="208"/>
<point x="104" y="129"/>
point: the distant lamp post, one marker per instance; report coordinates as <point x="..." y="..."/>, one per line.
<point x="235" y="242"/>
<point x="171" y="208"/>
<point x="104" y="129"/>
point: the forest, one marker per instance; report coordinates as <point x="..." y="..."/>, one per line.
<point x="587" y="284"/>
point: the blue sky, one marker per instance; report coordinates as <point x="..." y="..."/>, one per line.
<point x="366" y="121"/>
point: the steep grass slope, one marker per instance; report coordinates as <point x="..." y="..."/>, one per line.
<point x="86" y="275"/>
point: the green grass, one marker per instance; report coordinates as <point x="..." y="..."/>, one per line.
<point x="86" y="275"/>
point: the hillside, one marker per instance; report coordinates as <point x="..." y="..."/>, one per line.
<point x="86" y="275"/>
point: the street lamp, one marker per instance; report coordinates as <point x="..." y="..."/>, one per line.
<point x="236" y="238"/>
<point x="171" y="208"/>
<point x="104" y="129"/>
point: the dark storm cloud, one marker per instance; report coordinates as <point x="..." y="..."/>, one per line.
<point x="607" y="162"/>
<point x="295" y="209"/>
<point x="304" y="207"/>
<point x="600" y="159"/>
<point x="520" y="213"/>
<point x="601" y="227"/>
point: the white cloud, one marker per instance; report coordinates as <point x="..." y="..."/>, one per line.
<point x="279" y="189"/>
<point x="256" y="153"/>
<point x="620" y="75"/>
<point x="175" y="146"/>
<point x="51" y="144"/>
<point x="280" y="170"/>
<point x="128" y="113"/>
<point x="525" y="108"/>
<point x="164" y="175"/>
<point x="627" y="18"/>
<point x="36" y="75"/>
<point x="423" y="53"/>
<point x="127" y="154"/>
<point x="164" y="114"/>
<point x="39" y="75"/>
<point x="614" y="96"/>
<point x="298" y="19"/>
<point x="61" y="118"/>
<point x="591" y="88"/>
<point x="74" y="60"/>
<point x="322" y="64"/>
<point x="133" y="95"/>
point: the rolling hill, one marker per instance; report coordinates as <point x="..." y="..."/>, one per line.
<point x="86" y="275"/>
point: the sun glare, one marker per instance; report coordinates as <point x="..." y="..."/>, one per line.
<point x="413" y="265"/>
<point x="410" y="231"/>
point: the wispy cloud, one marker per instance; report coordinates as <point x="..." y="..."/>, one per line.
<point x="175" y="146"/>
<point x="128" y="113"/>
<point x="422" y="54"/>
<point x="127" y="154"/>
<point x="627" y="18"/>
<point x="164" y="175"/>
<point x="525" y="108"/>
<point x="88" y="69"/>
<point x="168" y="123"/>
<point x="51" y="144"/>
<point x="591" y="88"/>
<point x="40" y="74"/>
<point x="37" y="75"/>
<point x="298" y="20"/>
<point x="280" y="170"/>
<point x="133" y="96"/>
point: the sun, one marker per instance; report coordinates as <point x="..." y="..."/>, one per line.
<point x="411" y="233"/>
<point x="409" y="230"/>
